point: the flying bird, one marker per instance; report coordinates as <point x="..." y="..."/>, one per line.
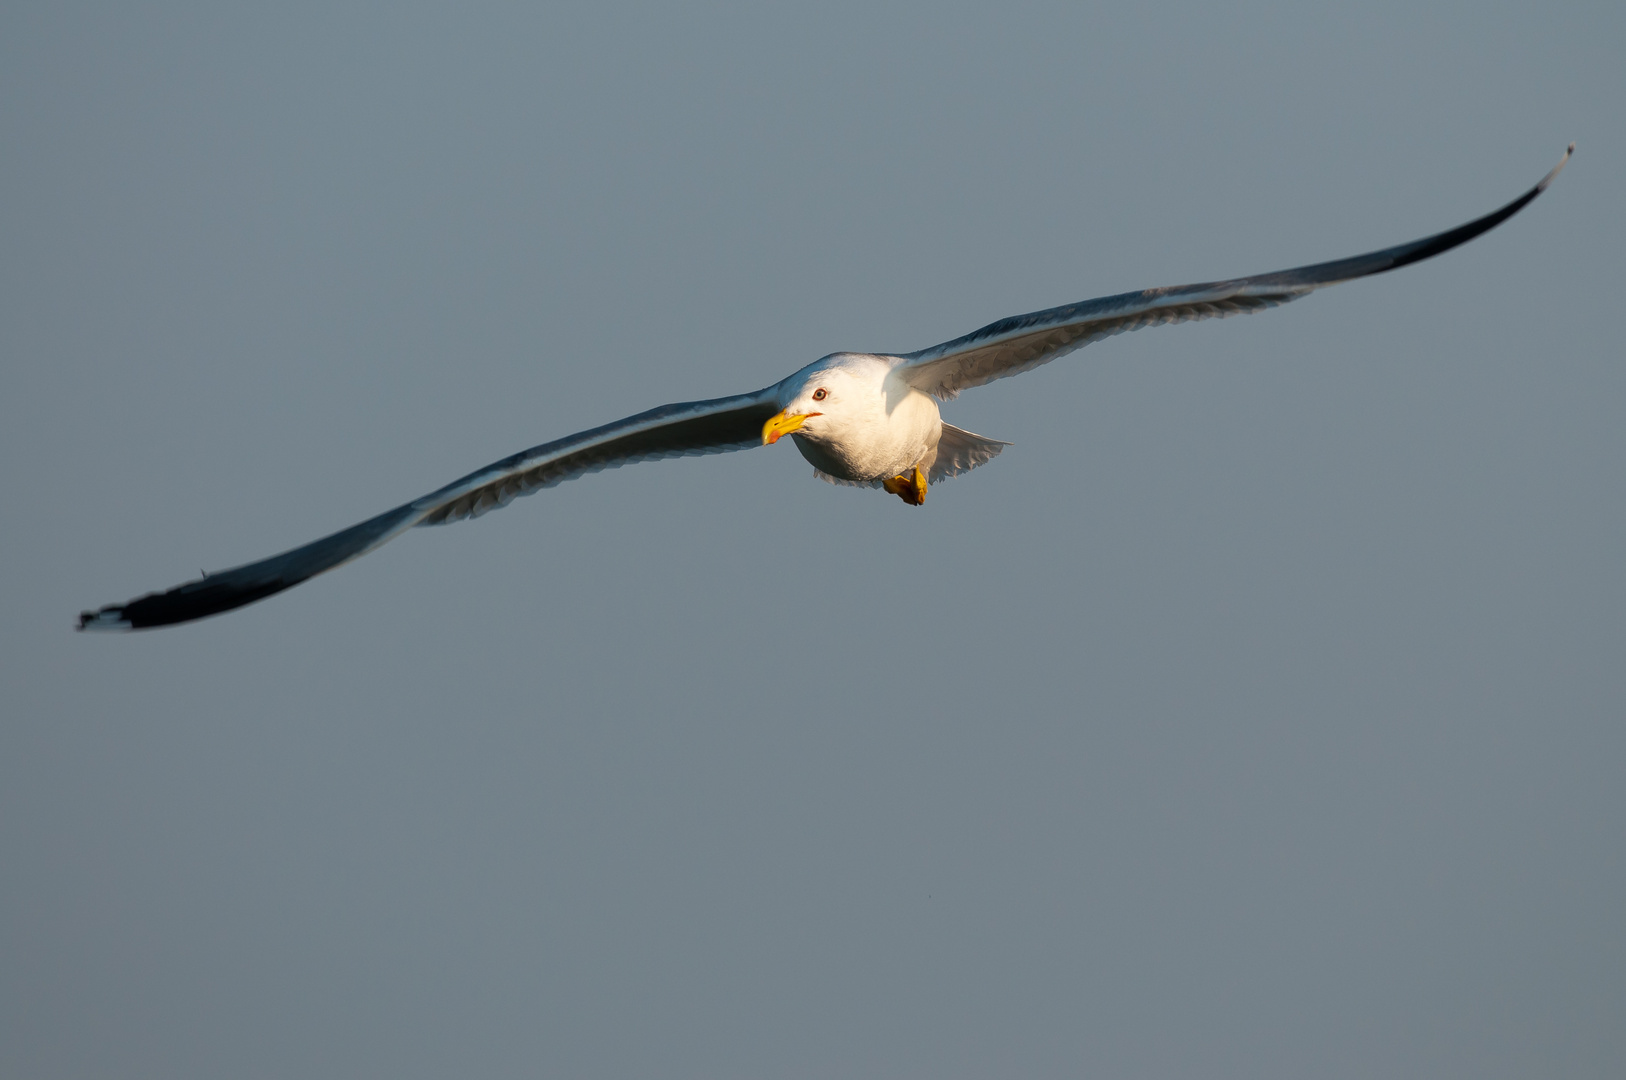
<point x="867" y="419"/>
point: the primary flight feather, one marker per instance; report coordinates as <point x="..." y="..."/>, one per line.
<point x="861" y="418"/>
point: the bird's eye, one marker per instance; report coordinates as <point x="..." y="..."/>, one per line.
<point x="820" y="394"/>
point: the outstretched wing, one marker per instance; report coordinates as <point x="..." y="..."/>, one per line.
<point x="694" y="427"/>
<point x="1021" y="342"/>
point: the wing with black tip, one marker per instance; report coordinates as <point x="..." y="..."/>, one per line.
<point x="695" y="427"/>
<point x="1022" y="342"/>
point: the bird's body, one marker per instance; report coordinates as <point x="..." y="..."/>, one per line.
<point x="870" y="427"/>
<point x="860" y="418"/>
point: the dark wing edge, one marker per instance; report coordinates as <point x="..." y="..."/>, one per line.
<point x="1023" y="342"/>
<point x="694" y="427"/>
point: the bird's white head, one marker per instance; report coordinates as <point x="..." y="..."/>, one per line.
<point x="829" y="396"/>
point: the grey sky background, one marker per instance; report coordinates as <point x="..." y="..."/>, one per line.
<point x="1259" y="713"/>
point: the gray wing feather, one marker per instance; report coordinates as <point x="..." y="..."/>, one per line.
<point x="1022" y="342"/>
<point x="695" y="427"/>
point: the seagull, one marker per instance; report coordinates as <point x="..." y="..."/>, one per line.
<point x="864" y="419"/>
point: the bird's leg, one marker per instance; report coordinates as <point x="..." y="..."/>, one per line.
<point x="911" y="489"/>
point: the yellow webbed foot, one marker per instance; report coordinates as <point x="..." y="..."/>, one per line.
<point x="911" y="489"/>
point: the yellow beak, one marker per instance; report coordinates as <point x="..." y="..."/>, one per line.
<point x="783" y="423"/>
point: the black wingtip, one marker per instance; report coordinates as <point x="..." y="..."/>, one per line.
<point x="111" y="617"/>
<point x="1550" y="177"/>
<point x="224" y="590"/>
<point x="1435" y="245"/>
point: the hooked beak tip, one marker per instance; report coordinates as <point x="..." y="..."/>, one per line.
<point x="782" y="424"/>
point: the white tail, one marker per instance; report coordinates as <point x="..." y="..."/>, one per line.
<point x="961" y="451"/>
